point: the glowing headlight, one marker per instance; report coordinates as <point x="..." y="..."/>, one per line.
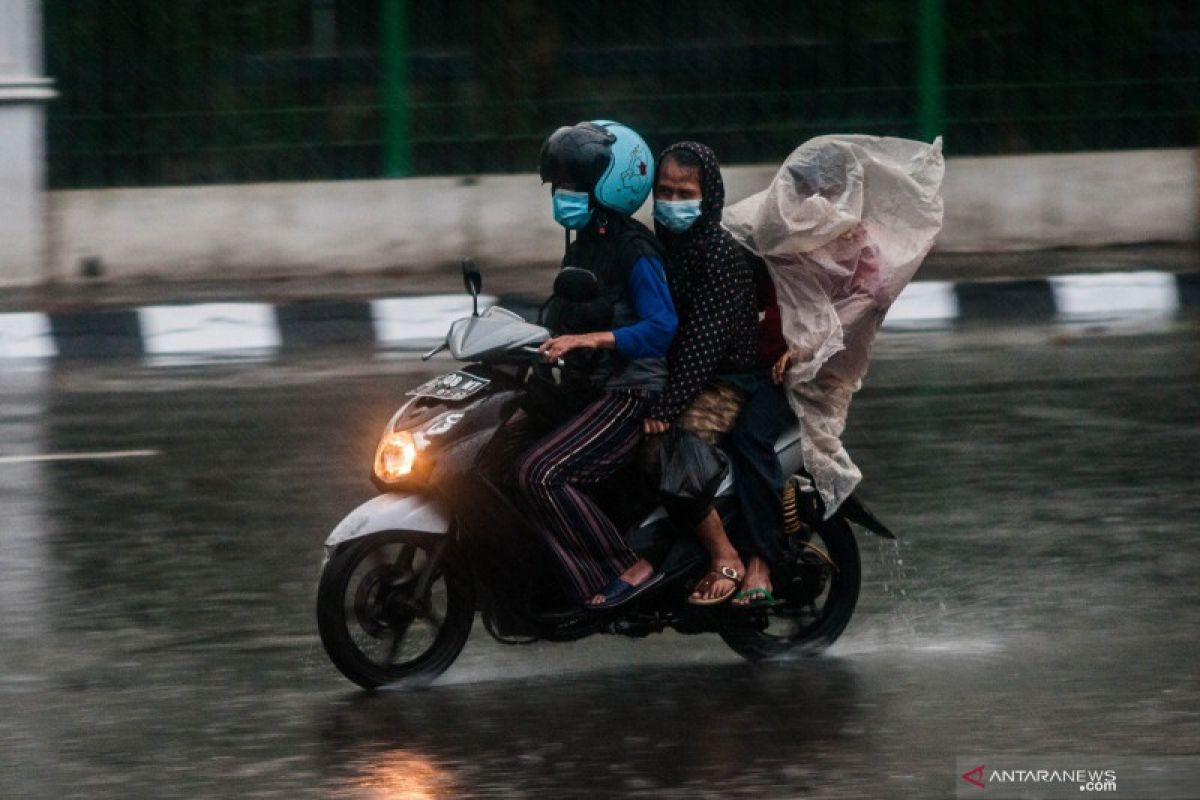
<point x="396" y="454"/>
<point x="398" y="451"/>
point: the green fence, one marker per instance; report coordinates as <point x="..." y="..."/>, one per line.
<point x="204" y="91"/>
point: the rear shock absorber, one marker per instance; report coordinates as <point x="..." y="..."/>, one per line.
<point x="801" y="504"/>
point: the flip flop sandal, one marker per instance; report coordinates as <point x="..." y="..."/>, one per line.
<point x="705" y="583"/>
<point x="620" y="592"/>
<point x="758" y="597"/>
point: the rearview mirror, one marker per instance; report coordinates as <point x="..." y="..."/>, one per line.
<point x="577" y="285"/>
<point x="473" y="281"/>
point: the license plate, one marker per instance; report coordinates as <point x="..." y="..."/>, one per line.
<point x="452" y="386"/>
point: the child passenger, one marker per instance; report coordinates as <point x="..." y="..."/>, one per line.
<point x="842" y="227"/>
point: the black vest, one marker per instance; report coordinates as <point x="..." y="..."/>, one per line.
<point x="608" y="247"/>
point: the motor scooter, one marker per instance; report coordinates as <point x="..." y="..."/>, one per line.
<point x="406" y="573"/>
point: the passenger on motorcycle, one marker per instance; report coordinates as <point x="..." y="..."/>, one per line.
<point x="842" y="227"/>
<point x="614" y="348"/>
<point x="712" y="360"/>
<point x="758" y="480"/>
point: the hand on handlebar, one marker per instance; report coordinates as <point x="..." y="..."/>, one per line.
<point x="559" y="346"/>
<point x="535" y="351"/>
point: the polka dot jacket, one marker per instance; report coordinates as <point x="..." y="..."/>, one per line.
<point x="713" y="288"/>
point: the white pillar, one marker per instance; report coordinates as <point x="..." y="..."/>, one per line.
<point x="23" y="95"/>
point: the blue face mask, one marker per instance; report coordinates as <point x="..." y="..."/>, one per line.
<point x="571" y="209"/>
<point x="677" y="215"/>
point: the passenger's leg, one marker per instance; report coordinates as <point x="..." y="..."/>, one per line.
<point x="587" y="449"/>
<point x="721" y="553"/>
<point x="758" y="482"/>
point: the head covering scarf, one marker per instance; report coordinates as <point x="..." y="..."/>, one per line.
<point x="705" y="242"/>
<point x="713" y="290"/>
<point x="843" y="226"/>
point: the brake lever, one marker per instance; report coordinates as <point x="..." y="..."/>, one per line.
<point x="533" y="351"/>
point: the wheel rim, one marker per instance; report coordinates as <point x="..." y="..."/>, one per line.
<point x="808" y="588"/>
<point x="389" y="619"/>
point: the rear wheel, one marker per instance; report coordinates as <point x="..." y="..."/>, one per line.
<point x="816" y="589"/>
<point x="389" y="609"/>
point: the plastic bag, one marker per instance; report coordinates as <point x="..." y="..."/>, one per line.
<point x="843" y="226"/>
<point x="690" y="472"/>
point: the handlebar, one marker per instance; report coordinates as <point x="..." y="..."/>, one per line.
<point x="434" y="351"/>
<point x="528" y="349"/>
<point x="558" y="362"/>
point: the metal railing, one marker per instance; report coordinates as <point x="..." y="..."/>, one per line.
<point x="204" y="91"/>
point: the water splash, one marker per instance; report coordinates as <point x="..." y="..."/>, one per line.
<point x="911" y="617"/>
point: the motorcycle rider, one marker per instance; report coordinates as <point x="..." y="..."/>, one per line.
<point x="614" y="348"/>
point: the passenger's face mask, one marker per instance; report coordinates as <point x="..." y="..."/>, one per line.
<point x="571" y="209"/>
<point x="677" y="215"/>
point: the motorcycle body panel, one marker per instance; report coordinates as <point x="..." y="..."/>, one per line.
<point x="393" y="511"/>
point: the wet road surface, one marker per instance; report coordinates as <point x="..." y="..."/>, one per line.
<point x="158" y="637"/>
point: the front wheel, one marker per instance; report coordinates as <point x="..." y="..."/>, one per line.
<point x="816" y="590"/>
<point x="393" y="607"/>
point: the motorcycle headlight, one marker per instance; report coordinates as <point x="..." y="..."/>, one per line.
<point x="397" y="454"/>
<point x="398" y="457"/>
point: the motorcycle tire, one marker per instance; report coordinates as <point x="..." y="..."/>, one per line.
<point x="744" y="632"/>
<point x="361" y="603"/>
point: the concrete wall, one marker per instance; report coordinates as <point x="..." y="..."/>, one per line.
<point x="1071" y="200"/>
<point x="992" y="204"/>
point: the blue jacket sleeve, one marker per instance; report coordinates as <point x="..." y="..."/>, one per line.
<point x="651" y="335"/>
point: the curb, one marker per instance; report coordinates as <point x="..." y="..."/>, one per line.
<point x="418" y="323"/>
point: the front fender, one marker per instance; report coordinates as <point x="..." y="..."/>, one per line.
<point x="392" y="512"/>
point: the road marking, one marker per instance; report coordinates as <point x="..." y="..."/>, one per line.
<point x="208" y="328"/>
<point x="97" y="456"/>
<point x="26" y="335"/>
<point x="923" y="302"/>
<point x="1116" y="293"/>
<point x="418" y="322"/>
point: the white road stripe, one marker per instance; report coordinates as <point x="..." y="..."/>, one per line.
<point x="1125" y="293"/>
<point x="420" y="321"/>
<point x="26" y="335"/>
<point x="923" y="302"/>
<point x="97" y="456"/>
<point x="208" y="328"/>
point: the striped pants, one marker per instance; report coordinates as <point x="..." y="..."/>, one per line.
<point x="583" y="451"/>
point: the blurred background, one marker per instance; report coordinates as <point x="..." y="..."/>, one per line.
<point x="215" y="91"/>
<point x="302" y="98"/>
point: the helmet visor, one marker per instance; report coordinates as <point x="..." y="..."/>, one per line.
<point x="576" y="155"/>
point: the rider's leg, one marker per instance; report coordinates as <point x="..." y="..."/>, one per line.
<point x="586" y="449"/>
<point x="634" y="576"/>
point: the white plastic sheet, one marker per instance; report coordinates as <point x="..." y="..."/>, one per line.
<point x="843" y="226"/>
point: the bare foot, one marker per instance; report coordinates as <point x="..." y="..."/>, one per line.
<point x="634" y="576"/>
<point x="758" y="576"/>
<point x="711" y="587"/>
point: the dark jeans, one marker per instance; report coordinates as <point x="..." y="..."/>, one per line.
<point x="757" y="476"/>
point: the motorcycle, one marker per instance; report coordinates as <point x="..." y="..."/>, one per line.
<point x="406" y="572"/>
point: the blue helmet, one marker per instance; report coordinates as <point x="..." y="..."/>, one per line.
<point x="605" y="158"/>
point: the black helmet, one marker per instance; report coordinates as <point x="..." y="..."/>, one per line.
<point x="578" y="154"/>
